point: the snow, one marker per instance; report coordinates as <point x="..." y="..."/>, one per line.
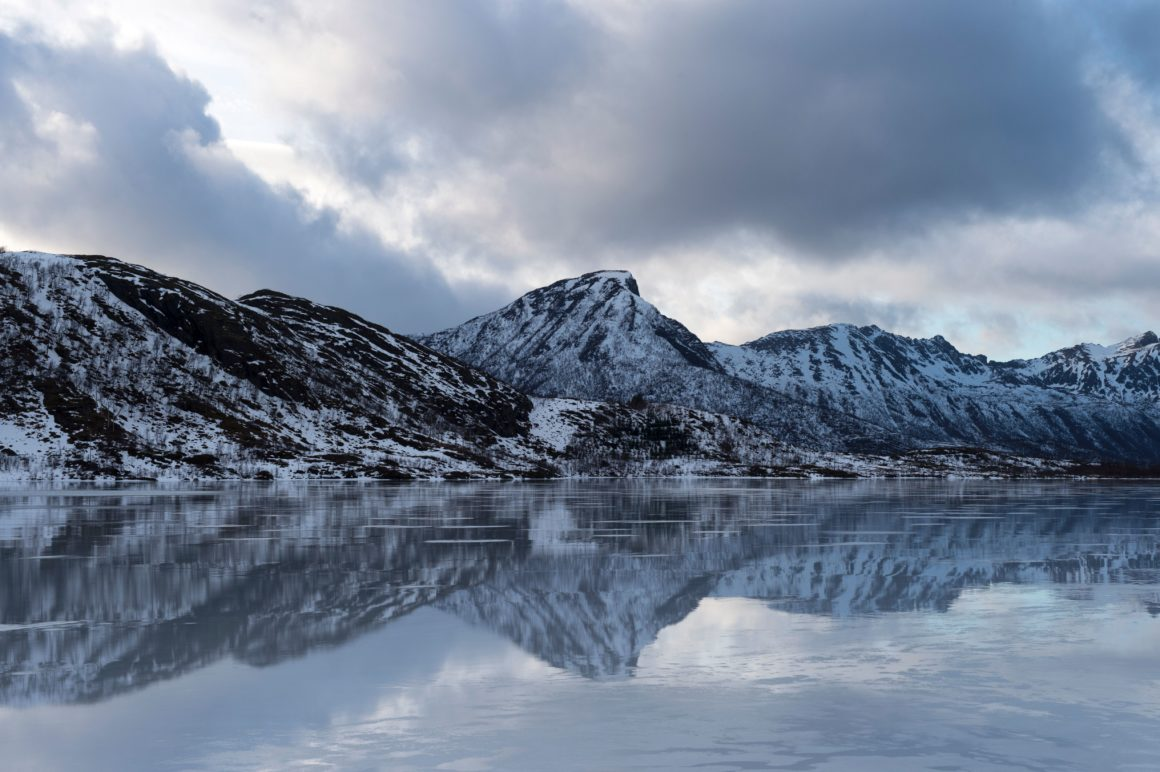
<point x="590" y="338"/>
<point x="1143" y="341"/>
<point x="72" y="310"/>
<point x="549" y="423"/>
<point x="583" y="346"/>
<point x="1096" y="351"/>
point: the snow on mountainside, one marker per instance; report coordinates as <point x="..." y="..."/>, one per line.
<point x="1127" y="371"/>
<point x="595" y="338"/>
<point x="616" y="344"/>
<point x="112" y="370"/>
<point x="837" y="387"/>
<point x="931" y="393"/>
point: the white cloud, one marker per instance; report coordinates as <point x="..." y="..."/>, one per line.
<point x="1001" y="200"/>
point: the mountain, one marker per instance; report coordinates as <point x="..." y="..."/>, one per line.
<point x="1128" y="371"/>
<point x="930" y="393"/>
<point x="580" y="337"/>
<point x="112" y="370"/>
<point x="126" y="369"/>
<point x="594" y="337"/>
<point x="834" y="388"/>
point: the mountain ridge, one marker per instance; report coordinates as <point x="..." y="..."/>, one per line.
<point x="110" y="370"/>
<point x="838" y="387"/>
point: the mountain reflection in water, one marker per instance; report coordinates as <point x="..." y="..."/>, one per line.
<point x="104" y="591"/>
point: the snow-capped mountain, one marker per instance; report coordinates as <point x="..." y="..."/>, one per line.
<point x="1128" y="371"/>
<point x="112" y="370"/>
<point x="121" y="368"/>
<point x="837" y="387"/>
<point x="928" y="392"/>
<point x="594" y="337"/>
<point x="615" y="343"/>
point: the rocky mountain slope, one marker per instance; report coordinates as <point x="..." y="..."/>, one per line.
<point x="120" y="368"/>
<point x="617" y="340"/>
<point x="932" y="394"/>
<point x="837" y="387"/>
<point x="594" y="337"/>
<point x="109" y="369"/>
<point x="1128" y="371"/>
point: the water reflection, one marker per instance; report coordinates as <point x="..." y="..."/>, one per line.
<point x="107" y="591"/>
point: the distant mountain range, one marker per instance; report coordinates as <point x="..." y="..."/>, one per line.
<point x="836" y="387"/>
<point x="110" y="370"/>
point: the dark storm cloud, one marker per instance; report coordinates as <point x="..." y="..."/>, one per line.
<point x="822" y="123"/>
<point x="834" y="120"/>
<point x="140" y="173"/>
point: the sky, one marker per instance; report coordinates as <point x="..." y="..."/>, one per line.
<point x="984" y="171"/>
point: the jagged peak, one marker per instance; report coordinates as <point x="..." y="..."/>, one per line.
<point x="1136" y="342"/>
<point x="1088" y="351"/>
<point x="585" y="291"/>
<point x="620" y="277"/>
<point x="805" y="332"/>
<point x="600" y="311"/>
<point x="821" y="329"/>
<point x="1098" y="351"/>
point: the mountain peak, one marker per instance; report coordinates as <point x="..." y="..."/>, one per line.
<point x="1136" y="342"/>
<point x="624" y="278"/>
<point x="577" y="337"/>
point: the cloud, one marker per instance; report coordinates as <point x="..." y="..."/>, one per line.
<point x="935" y="167"/>
<point x="835" y="123"/>
<point x="826" y="125"/>
<point x="968" y="156"/>
<point x="414" y="82"/>
<point x="110" y="150"/>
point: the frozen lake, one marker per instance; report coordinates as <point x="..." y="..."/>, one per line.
<point x="582" y="625"/>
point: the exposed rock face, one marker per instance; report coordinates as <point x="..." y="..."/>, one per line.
<point x="927" y="392"/>
<point x="594" y="337"/>
<point x="1128" y="371"/>
<point x="590" y="335"/>
<point x="113" y="370"/>
<point x="120" y="366"/>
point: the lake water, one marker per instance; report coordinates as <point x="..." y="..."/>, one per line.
<point x="589" y="625"/>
